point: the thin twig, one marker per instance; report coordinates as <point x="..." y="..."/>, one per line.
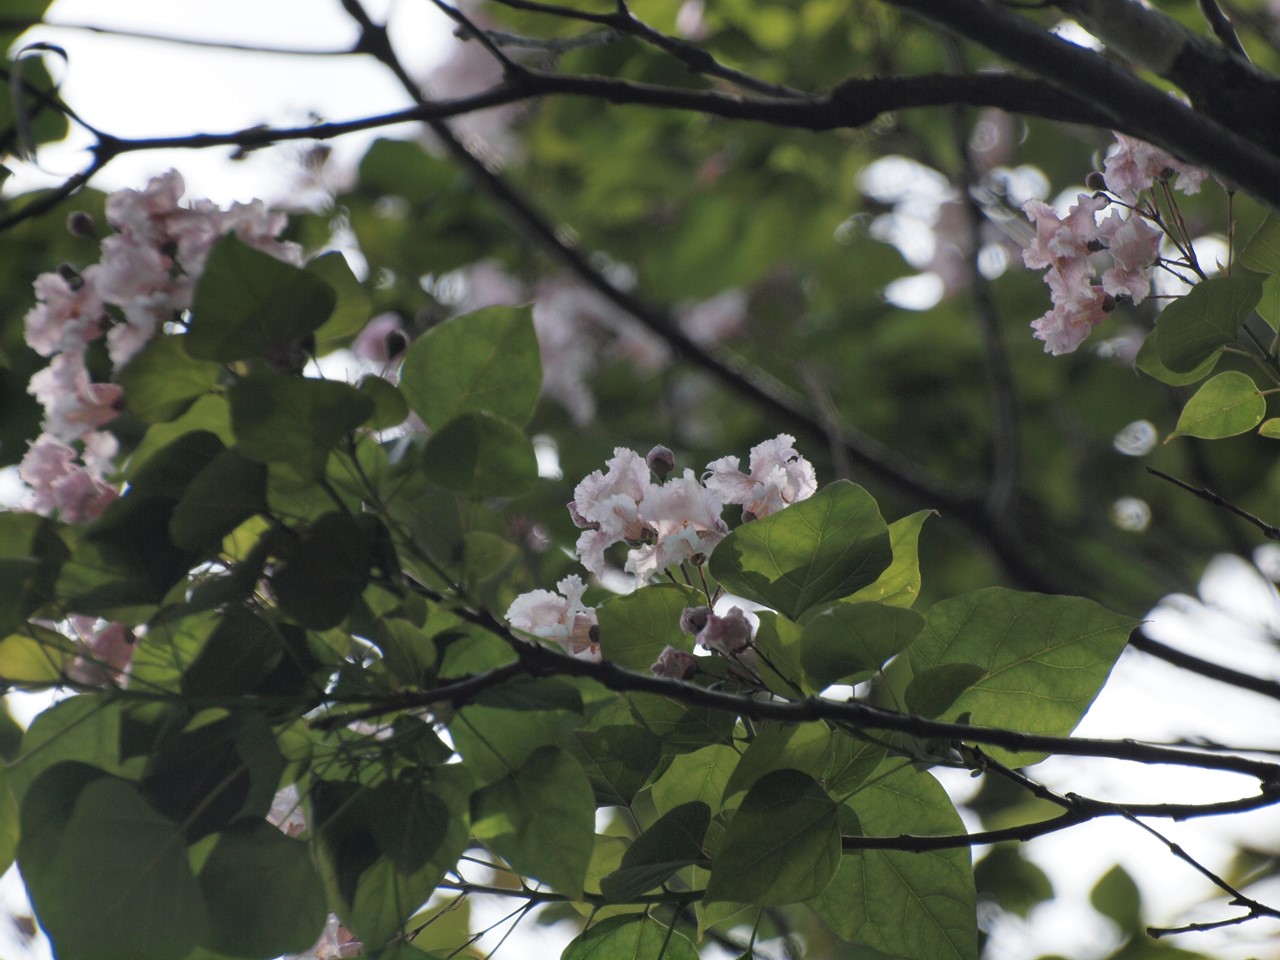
<point x="1270" y="531"/>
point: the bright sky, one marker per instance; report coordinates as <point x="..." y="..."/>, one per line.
<point x="144" y="88"/>
<point x="140" y="88"/>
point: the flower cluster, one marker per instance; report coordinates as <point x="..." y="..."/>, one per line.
<point x="1071" y="246"/>
<point x="665" y="523"/>
<point x="729" y="635"/>
<point x="146" y="277"/>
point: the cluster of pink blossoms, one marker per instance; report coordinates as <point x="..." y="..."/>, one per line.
<point x="1068" y="246"/>
<point x="664" y="523"/>
<point x="144" y="279"/>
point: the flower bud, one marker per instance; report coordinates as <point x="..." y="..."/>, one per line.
<point x="674" y="664"/>
<point x="1096" y="181"/>
<point x="661" y="461"/>
<point x="80" y="224"/>
<point x="728" y="634"/>
<point x="694" y="619"/>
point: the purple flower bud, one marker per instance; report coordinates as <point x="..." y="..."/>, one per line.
<point x="80" y="224"/>
<point x="661" y="461"/>
<point x="694" y="619"/>
<point x="728" y="634"/>
<point x="674" y="664"/>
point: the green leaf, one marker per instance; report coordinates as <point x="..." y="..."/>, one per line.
<point x="1269" y="305"/>
<point x="263" y="894"/>
<point x="1194" y="327"/>
<point x="85" y="728"/>
<point x="777" y="644"/>
<point x="617" y="759"/>
<point x="480" y="455"/>
<point x="701" y="775"/>
<point x="389" y="407"/>
<point x="36" y="655"/>
<point x="630" y="938"/>
<point x="495" y="741"/>
<point x="226" y="492"/>
<point x="278" y="418"/>
<point x="1227" y="405"/>
<point x="1262" y="252"/>
<point x="8" y="823"/>
<point x="930" y="693"/>
<point x="372" y="898"/>
<point x="326" y="572"/>
<point x="540" y="819"/>
<point x="408" y="822"/>
<point x="1117" y="897"/>
<point x="163" y="380"/>
<point x="807" y="747"/>
<point x="813" y="552"/>
<point x="247" y="301"/>
<point x="1270" y="428"/>
<point x="1149" y="362"/>
<point x="636" y="627"/>
<point x="109" y="876"/>
<point x="351" y="309"/>
<point x="485" y="361"/>
<point x="913" y="905"/>
<point x="849" y="641"/>
<point x="899" y="584"/>
<point x="1012" y="880"/>
<point x="678" y="727"/>
<point x="782" y="845"/>
<point x="1044" y="658"/>
<point x="673" y="842"/>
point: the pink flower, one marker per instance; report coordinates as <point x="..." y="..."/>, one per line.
<point x="69" y="314"/>
<point x="685" y="519"/>
<point x="382" y="340"/>
<point x="1074" y="315"/>
<point x="60" y="484"/>
<point x="729" y="634"/>
<point x="1134" y="165"/>
<point x="107" y="648"/>
<point x="674" y="664"/>
<point x="562" y="619"/>
<point x="1059" y="239"/>
<point x="73" y="405"/>
<point x="1134" y="246"/>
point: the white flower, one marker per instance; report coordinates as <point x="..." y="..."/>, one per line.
<point x="562" y="619"/>
<point x="779" y="477"/>
<point x="685" y="519"/>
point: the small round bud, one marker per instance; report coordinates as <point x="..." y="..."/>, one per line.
<point x="693" y="619"/>
<point x="1094" y="246"/>
<point x="1096" y="181"/>
<point x="728" y="634"/>
<point x="661" y="461"/>
<point x="80" y="224"/>
<point x="1108" y="303"/>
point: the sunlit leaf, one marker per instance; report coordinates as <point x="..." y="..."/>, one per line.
<point x="813" y="552"/>
<point x="1229" y="404"/>
<point x="540" y="819"/>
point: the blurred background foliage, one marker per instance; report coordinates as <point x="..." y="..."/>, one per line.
<point x="797" y="229"/>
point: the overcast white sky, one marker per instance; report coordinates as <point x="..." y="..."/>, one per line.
<point x="144" y="88"/>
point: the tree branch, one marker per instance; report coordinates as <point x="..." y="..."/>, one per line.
<point x="1130" y="104"/>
